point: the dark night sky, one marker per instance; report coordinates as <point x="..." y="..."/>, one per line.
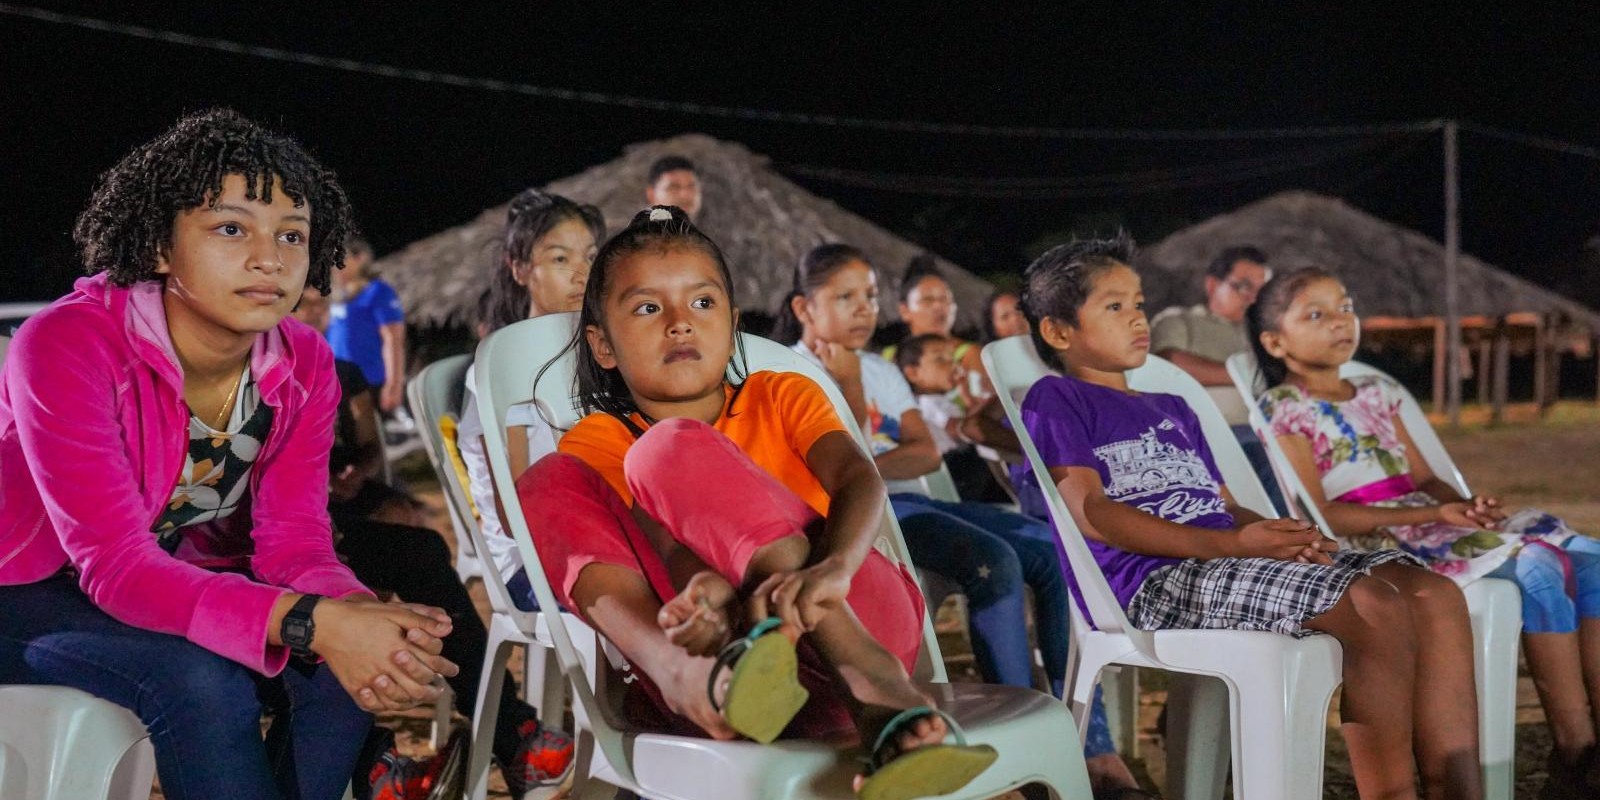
<point x="416" y="158"/>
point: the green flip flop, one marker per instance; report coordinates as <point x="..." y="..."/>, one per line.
<point x="927" y="771"/>
<point x="764" y="693"/>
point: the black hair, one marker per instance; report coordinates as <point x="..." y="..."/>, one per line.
<point x="909" y="352"/>
<point x="919" y="267"/>
<point x="1222" y="266"/>
<point x="531" y="215"/>
<point x="127" y="225"/>
<point x="666" y="164"/>
<point x="1266" y="314"/>
<point x="1058" y="283"/>
<point x="657" y="229"/>
<point x="355" y="245"/>
<point x="815" y="269"/>
<point x="989" y="333"/>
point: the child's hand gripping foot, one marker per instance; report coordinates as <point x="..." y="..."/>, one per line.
<point x="755" y="682"/>
<point x="909" y="758"/>
<point x="698" y="618"/>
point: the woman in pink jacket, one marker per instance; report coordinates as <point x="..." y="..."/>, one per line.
<point x="164" y="440"/>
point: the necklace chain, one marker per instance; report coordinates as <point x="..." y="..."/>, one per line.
<point x="223" y="413"/>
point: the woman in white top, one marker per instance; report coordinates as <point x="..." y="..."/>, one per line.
<point x="543" y="263"/>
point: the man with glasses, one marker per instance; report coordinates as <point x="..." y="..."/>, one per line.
<point x="1200" y="338"/>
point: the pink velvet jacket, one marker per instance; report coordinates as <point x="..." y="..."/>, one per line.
<point x="93" y="434"/>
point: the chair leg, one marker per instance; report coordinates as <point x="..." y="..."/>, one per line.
<point x="1278" y="734"/>
<point x="1120" y="688"/>
<point x="486" y="711"/>
<point x="443" y="708"/>
<point x="1197" y="741"/>
<point x="1495" y="609"/>
<point x="542" y="683"/>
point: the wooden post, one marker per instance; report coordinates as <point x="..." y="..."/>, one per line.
<point x="1541" y="381"/>
<point x="1502" y="372"/>
<point x="1485" y="366"/>
<point x="1554" y="380"/>
<point x="1438" y="366"/>
<point x="1452" y="288"/>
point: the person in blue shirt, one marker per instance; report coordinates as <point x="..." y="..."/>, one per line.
<point x="367" y="325"/>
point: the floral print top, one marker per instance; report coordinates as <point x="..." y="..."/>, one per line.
<point x="1355" y="444"/>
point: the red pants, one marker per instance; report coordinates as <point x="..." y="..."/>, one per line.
<point x="723" y="507"/>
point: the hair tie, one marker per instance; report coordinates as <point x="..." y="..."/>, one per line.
<point x="660" y="214"/>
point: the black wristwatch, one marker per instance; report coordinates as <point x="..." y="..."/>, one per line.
<point x="297" y="628"/>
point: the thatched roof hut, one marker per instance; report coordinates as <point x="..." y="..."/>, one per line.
<point x="763" y="222"/>
<point x="1397" y="278"/>
<point x="1392" y="271"/>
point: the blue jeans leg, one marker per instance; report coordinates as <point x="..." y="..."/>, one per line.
<point x="316" y="733"/>
<point x="202" y="710"/>
<point x="986" y="569"/>
<point x="1037" y="550"/>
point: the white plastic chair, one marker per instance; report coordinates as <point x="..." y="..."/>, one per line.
<point x="58" y="743"/>
<point x="1014" y="721"/>
<point x="436" y="392"/>
<point x="1493" y="605"/>
<point x="1278" y="687"/>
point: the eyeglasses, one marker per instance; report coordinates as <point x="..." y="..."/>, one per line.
<point x="1245" y="288"/>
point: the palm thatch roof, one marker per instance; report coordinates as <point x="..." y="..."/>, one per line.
<point x="1391" y="270"/>
<point x="762" y="221"/>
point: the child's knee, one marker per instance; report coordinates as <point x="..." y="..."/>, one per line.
<point x="1541" y="577"/>
<point x="1384" y="613"/>
<point x="663" y="446"/>
<point x="1437" y="595"/>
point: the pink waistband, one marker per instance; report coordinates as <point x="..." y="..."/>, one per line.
<point x="1378" y="491"/>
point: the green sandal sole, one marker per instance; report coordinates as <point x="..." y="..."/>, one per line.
<point x="765" y="692"/>
<point x="928" y="771"/>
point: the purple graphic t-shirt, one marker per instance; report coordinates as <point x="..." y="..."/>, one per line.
<point x="1148" y="450"/>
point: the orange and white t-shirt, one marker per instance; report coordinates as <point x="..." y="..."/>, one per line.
<point x="774" y="419"/>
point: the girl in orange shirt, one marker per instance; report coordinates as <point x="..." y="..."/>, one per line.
<point x="632" y="540"/>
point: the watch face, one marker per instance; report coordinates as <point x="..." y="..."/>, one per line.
<point x="296" y="632"/>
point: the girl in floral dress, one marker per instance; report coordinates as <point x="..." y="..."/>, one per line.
<point x="1346" y="441"/>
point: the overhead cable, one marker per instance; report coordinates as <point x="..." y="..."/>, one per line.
<point x="703" y="109"/>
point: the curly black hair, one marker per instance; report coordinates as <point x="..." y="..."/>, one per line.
<point x="128" y="222"/>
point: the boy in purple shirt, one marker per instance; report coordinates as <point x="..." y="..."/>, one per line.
<point x="1141" y="485"/>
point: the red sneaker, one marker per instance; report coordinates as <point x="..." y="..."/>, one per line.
<point x="544" y="759"/>
<point x="398" y="777"/>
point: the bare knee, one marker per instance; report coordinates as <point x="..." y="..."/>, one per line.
<point x="1373" y="617"/>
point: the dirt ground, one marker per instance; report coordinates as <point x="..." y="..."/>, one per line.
<point x="1526" y="462"/>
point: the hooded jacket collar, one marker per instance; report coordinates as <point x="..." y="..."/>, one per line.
<point x="145" y="326"/>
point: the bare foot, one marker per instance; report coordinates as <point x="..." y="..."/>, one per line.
<point x="698" y="619"/>
<point x="683" y="687"/>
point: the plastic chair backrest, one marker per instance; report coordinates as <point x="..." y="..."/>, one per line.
<point x="1014" y="367"/>
<point x="435" y="392"/>
<point x="1249" y="382"/>
<point x="1159" y="375"/>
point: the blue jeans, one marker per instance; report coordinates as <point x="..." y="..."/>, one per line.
<point x="992" y="554"/>
<point x="1256" y="453"/>
<point x="203" y="711"/>
<point x="1542" y="579"/>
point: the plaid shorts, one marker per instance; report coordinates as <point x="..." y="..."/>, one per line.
<point x="1249" y="594"/>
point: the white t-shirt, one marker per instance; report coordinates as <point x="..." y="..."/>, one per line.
<point x="888" y="399"/>
<point x="937" y="410"/>
<point x="469" y="433"/>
